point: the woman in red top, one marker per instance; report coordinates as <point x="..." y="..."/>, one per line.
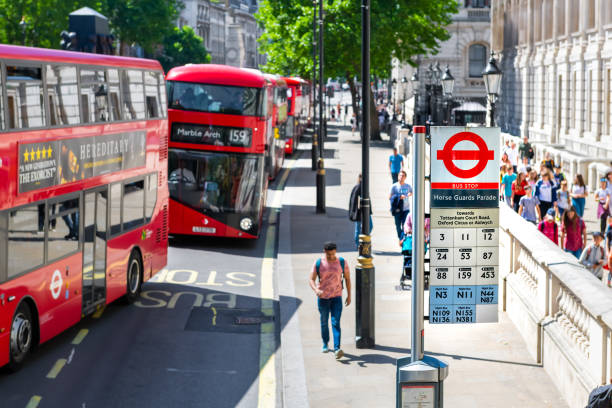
<point x="573" y="232"/>
<point x="518" y="190"/>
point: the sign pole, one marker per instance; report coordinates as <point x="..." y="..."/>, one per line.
<point x="418" y="244"/>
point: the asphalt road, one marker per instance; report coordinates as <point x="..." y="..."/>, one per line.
<point x="192" y="340"/>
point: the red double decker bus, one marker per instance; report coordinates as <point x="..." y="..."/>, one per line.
<point x="278" y="128"/>
<point x="297" y="112"/>
<point x="222" y="149"/>
<point x="83" y="188"/>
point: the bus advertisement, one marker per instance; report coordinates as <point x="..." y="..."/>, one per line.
<point x="221" y="149"/>
<point x="83" y="188"/>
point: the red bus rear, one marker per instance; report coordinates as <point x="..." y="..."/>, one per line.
<point x="279" y="122"/>
<point x="221" y="151"/>
<point x="297" y="111"/>
<point x="83" y="191"/>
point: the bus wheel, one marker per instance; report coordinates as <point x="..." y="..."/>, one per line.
<point x="22" y="334"/>
<point x="134" y="278"/>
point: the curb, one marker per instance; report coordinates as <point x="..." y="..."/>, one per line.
<point x="293" y="374"/>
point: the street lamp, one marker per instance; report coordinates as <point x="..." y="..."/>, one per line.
<point x="394" y="86"/>
<point x="404" y="82"/>
<point x="320" y="178"/>
<point x="314" y="152"/>
<point x="448" y="82"/>
<point x="23" y="24"/>
<point x="364" y="272"/>
<point x="416" y="84"/>
<point x="492" y="79"/>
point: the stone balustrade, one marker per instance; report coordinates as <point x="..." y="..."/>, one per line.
<point x="563" y="312"/>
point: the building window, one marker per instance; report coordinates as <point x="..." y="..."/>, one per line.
<point x="591" y="22"/>
<point x="478" y="3"/>
<point x="478" y="60"/>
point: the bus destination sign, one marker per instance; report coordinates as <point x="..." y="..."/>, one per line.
<point x="211" y="135"/>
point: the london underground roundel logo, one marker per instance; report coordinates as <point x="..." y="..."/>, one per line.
<point x="482" y="155"/>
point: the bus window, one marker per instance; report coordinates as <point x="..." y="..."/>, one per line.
<point x="25" y="97"/>
<point x="162" y="94"/>
<point x="61" y="85"/>
<point x="113" y="94"/>
<point x="133" y="94"/>
<point x="25" y="239"/>
<point x="152" y="95"/>
<point x="151" y="197"/>
<point x="94" y="96"/>
<point x="115" y="208"/>
<point x="63" y="228"/>
<point x="133" y="204"/>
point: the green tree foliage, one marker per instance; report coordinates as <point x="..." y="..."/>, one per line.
<point x="143" y="22"/>
<point x="402" y="29"/>
<point x="182" y="46"/>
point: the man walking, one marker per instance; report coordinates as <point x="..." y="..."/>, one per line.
<point x="396" y="164"/>
<point x="330" y="272"/>
<point x="525" y="150"/>
<point x="355" y="209"/>
<point x="400" y="201"/>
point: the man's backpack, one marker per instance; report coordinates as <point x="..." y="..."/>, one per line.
<point x="318" y="267"/>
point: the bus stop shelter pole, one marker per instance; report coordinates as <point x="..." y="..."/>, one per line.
<point x="418" y="241"/>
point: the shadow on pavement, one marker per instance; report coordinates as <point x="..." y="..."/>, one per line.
<point x="305" y="177"/>
<point x="406" y="351"/>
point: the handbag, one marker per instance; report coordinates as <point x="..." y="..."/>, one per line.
<point x="407" y="244"/>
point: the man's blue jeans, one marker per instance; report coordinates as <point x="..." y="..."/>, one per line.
<point x="358" y="230"/>
<point x="400" y="218"/>
<point x="333" y="306"/>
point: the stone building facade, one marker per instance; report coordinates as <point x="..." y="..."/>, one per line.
<point x="556" y="58"/>
<point x="466" y="54"/>
<point x="229" y="30"/>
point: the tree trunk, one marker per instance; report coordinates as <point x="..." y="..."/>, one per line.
<point x="374" y="128"/>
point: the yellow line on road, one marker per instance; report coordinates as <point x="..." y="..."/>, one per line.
<point x="267" y="340"/>
<point x="80" y="336"/>
<point x="98" y="313"/>
<point x="34" y="401"/>
<point x="214" y="322"/>
<point x="57" y="367"/>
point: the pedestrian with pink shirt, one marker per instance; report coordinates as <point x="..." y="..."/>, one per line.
<point x="330" y="271"/>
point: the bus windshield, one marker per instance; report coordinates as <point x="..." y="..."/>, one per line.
<point x="215" y="182"/>
<point x="231" y="100"/>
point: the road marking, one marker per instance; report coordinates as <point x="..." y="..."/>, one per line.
<point x="80" y="336"/>
<point x="98" y="313"/>
<point x="267" y="342"/>
<point x="57" y="367"/>
<point x="34" y="401"/>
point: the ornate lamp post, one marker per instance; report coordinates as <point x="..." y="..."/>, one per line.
<point x="448" y="84"/>
<point x="492" y="79"/>
<point x="416" y="84"/>
<point x="404" y="82"/>
<point x="394" y="87"/>
<point x="364" y="282"/>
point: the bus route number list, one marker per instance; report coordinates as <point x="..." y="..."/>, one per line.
<point x="464" y="260"/>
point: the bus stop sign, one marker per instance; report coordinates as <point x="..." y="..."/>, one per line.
<point x="464" y="167"/>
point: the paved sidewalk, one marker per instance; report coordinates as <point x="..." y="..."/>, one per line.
<point x="489" y="364"/>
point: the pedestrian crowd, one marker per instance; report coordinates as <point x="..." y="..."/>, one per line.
<point x="542" y="194"/>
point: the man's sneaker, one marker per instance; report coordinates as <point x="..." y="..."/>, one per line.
<point x="325" y="349"/>
<point x="339" y="353"/>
